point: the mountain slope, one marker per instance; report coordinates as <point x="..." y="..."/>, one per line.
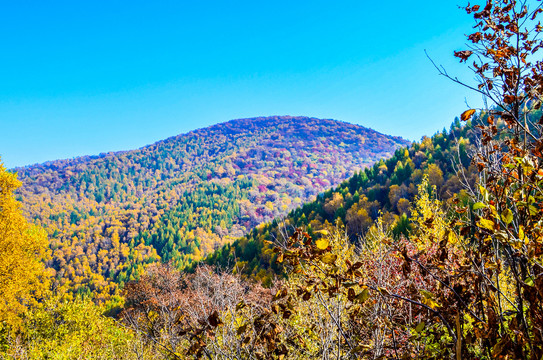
<point x="382" y="190"/>
<point x="181" y="198"/>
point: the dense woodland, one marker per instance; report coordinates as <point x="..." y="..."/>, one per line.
<point x="385" y="190"/>
<point x="182" y="198"/>
<point x="433" y="253"/>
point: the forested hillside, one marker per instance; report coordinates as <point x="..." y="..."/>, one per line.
<point x="433" y="253"/>
<point x="181" y="198"/>
<point x="424" y="243"/>
<point x="384" y="190"/>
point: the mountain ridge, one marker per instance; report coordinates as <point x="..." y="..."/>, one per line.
<point x="181" y="198"/>
<point x="196" y="131"/>
<point x="384" y="190"/>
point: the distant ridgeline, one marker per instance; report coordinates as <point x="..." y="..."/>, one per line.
<point x="182" y="198"/>
<point x="385" y="190"/>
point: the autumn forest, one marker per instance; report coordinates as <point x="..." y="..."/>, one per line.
<point x="291" y="237"/>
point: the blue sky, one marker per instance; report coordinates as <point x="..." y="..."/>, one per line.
<point x="81" y="78"/>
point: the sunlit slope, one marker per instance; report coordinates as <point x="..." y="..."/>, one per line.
<point x="181" y="198"/>
<point x="383" y="190"/>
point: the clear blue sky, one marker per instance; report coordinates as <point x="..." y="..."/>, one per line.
<point x="81" y="78"/>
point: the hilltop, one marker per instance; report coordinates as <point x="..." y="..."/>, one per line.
<point x="385" y="190"/>
<point x="184" y="197"/>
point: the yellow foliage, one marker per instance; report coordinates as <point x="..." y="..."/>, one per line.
<point x="23" y="278"/>
<point x="76" y="330"/>
<point x="428" y="217"/>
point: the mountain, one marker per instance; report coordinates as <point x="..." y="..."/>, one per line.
<point x="182" y="198"/>
<point x="383" y="190"/>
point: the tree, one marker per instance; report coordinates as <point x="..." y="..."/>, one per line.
<point x="201" y="314"/>
<point x="77" y="330"/>
<point x="472" y="284"/>
<point x="503" y="226"/>
<point x="23" y="247"/>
